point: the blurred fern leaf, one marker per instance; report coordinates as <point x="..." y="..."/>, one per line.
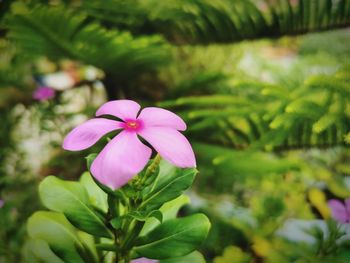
<point x="315" y="114"/>
<point x="58" y="32"/>
<point x="207" y="21"/>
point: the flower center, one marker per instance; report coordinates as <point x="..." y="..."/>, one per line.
<point x="132" y="125"/>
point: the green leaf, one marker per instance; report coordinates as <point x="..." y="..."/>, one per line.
<point x="208" y="21"/>
<point x="174" y="238"/>
<point x="37" y="250"/>
<point x="89" y="253"/>
<point x="97" y="197"/>
<point x="59" y="234"/>
<point x="72" y="200"/>
<point x="169" y="210"/>
<point x="170" y="183"/>
<point x="59" y="32"/>
<point x="194" y="257"/>
<point x="117" y="222"/>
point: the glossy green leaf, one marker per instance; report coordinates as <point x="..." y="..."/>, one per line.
<point x="97" y="197"/>
<point x="72" y="200"/>
<point x="58" y="233"/>
<point x="89" y="252"/>
<point x="117" y="222"/>
<point x="174" y="238"/>
<point x="169" y="210"/>
<point x="37" y="251"/>
<point x="171" y="183"/>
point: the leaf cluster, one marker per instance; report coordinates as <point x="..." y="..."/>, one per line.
<point x="88" y="222"/>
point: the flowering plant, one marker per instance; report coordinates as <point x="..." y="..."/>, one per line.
<point x="126" y="211"/>
<point x="43" y="93"/>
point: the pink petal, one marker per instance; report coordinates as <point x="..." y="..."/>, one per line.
<point x="158" y="117"/>
<point x="171" y="145"/>
<point x="123" y="109"/>
<point x="123" y="158"/>
<point x="338" y="210"/>
<point x="87" y="134"/>
<point x="347" y="204"/>
<point x="144" y="260"/>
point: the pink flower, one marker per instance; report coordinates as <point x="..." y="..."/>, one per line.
<point x="125" y="155"/>
<point x="43" y="93"/>
<point x="2" y="202"/>
<point x="144" y="260"/>
<point x="340" y="211"/>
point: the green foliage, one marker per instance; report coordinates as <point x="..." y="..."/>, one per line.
<point x="327" y="245"/>
<point x="169" y="210"/>
<point x="131" y="227"/>
<point x="314" y="114"/>
<point x="233" y="252"/>
<point x="12" y="68"/>
<point x="58" y="32"/>
<point x="73" y="203"/>
<point x="37" y="250"/>
<point x="60" y="235"/>
<point x="170" y="184"/>
<point x="238" y="101"/>
<point x="97" y="197"/>
<point x="174" y="238"/>
<point x="207" y="21"/>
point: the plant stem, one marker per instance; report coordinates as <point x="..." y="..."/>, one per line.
<point x="133" y="232"/>
<point x="131" y="228"/>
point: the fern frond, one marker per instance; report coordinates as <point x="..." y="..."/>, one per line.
<point x="207" y="21"/>
<point x="315" y="114"/>
<point x="329" y="83"/>
<point x="58" y="32"/>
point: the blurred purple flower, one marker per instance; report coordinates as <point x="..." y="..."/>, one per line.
<point x="125" y="155"/>
<point x="144" y="260"/>
<point x="340" y="211"/>
<point x="2" y="202"/>
<point x="44" y="93"/>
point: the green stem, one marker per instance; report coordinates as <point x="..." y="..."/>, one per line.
<point x="113" y="203"/>
<point x="131" y="228"/>
<point x="132" y="233"/>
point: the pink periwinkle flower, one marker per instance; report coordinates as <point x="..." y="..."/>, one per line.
<point x="2" y="203"/>
<point x="44" y="93"/>
<point x="144" y="260"/>
<point x="125" y="155"/>
<point x="340" y="211"/>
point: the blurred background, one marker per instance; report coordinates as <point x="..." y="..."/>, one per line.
<point x="263" y="85"/>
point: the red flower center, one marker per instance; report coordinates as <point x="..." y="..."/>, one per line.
<point x="133" y="125"/>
